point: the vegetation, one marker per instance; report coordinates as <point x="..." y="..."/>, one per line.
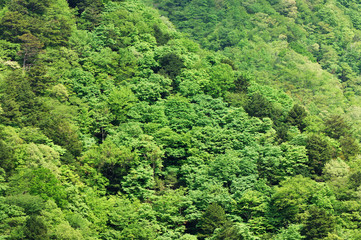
<point x="242" y="124"/>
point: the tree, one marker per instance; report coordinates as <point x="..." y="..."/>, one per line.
<point x="241" y="83"/>
<point x="222" y="79"/>
<point x="18" y="100"/>
<point x="296" y="116"/>
<point x="13" y="25"/>
<point x="35" y="229"/>
<point x="259" y="106"/>
<point x="336" y="127"/>
<point x="161" y="37"/>
<point x="318" y="224"/>
<point x="252" y="204"/>
<point x="40" y="182"/>
<point x="39" y="81"/>
<point x="139" y="183"/>
<point x="350" y="147"/>
<point x="214" y="217"/>
<point x="234" y="231"/>
<point x="319" y="152"/>
<point x="30" y="48"/>
<point x="292" y="232"/>
<point x="33" y="6"/>
<point x="120" y="100"/>
<point x="171" y="65"/>
<point x="291" y="200"/>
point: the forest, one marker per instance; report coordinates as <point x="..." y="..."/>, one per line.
<point x="180" y="119"/>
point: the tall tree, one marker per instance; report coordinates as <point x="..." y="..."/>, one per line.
<point x="30" y="48"/>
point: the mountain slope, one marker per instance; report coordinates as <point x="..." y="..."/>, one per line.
<point x="114" y="125"/>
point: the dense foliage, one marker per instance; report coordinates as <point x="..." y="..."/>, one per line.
<point x="115" y="125"/>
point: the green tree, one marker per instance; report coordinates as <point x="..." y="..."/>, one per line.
<point x="40" y="182"/>
<point x="293" y="196"/>
<point x="296" y="117"/>
<point x="234" y="231"/>
<point x="171" y="65"/>
<point x="120" y="101"/>
<point x="213" y="217"/>
<point x="259" y="106"/>
<point x="336" y="127"/>
<point x="319" y="152"/>
<point x="18" y="100"/>
<point x="292" y="232"/>
<point x="318" y="224"/>
<point x="32" y="6"/>
<point x="350" y="147"/>
<point x="35" y="228"/>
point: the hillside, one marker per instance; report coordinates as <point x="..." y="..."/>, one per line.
<point x="310" y="49"/>
<point x="179" y="120"/>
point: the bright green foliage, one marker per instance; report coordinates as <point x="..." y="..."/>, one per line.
<point x="251" y="205"/>
<point x="233" y="232"/>
<point x="39" y="182"/>
<point x="292" y="199"/>
<point x="114" y="125"/>
<point x="120" y="101"/>
<point x="290" y="233"/>
<point x="131" y="220"/>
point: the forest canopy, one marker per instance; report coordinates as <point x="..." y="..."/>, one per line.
<point x="197" y="119"/>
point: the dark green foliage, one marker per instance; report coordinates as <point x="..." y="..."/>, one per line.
<point x="84" y="5"/>
<point x="241" y="84"/>
<point x="336" y="127"/>
<point x="13" y="25"/>
<point x="3" y="2"/>
<point x="355" y="179"/>
<point x="39" y="82"/>
<point x="319" y="152"/>
<point x="318" y="224"/>
<point x="213" y="217"/>
<point x="29" y="18"/>
<point x="162" y="38"/>
<point x="259" y="106"/>
<point x="91" y="15"/>
<point x="62" y="132"/>
<point x="35" y="228"/>
<point x="297" y="116"/>
<point x="350" y="147"/>
<point x="31" y="204"/>
<point x="171" y="65"/>
<point x="17" y="98"/>
<point x="6" y="156"/>
<point x="29" y="6"/>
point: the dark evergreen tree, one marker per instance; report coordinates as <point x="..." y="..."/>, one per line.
<point x="35" y="228"/>
<point x="318" y="224"/>
<point x="171" y="65"/>
<point x="319" y="152"/>
<point x="336" y="127"/>
<point x="296" y="116"/>
<point x="213" y="217"/>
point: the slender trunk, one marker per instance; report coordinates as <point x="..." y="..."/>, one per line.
<point x="24" y="63"/>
